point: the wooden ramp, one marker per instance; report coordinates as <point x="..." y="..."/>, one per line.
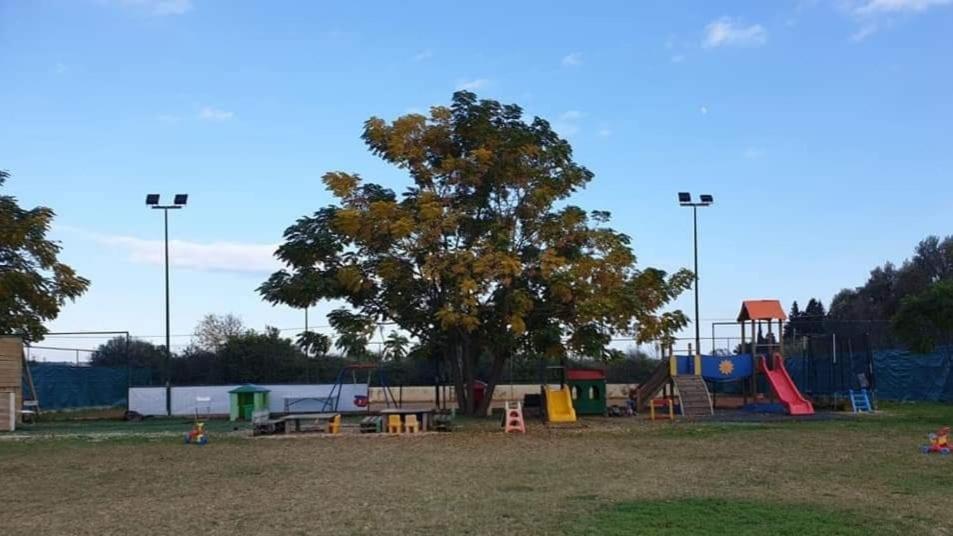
<point x="693" y="396"/>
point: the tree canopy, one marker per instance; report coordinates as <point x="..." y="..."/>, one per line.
<point x="482" y="256"/>
<point x="808" y="322"/>
<point x="926" y="319"/>
<point x="120" y="352"/>
<point x="34" y="284"/>
<point x="214" y="330"/>
<point x="880" y="297"/>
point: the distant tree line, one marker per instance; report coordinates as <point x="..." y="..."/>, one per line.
<point x="224" y="351"/>
<point x="911" y="304"/>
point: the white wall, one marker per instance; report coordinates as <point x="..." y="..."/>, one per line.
<point x="151" y="400"/>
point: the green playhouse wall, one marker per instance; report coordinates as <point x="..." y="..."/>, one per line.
<point x="589" y="396"/>
<point x="243" y="404"/>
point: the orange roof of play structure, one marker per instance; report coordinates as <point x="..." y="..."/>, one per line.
<point x="761" y="310"/>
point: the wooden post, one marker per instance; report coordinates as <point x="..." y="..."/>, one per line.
<point x="672" y="363"/>
<point x="781" y="336"/>
<point x="741" y="349"/>
<point x="754" y="362"/>
<point x="698" y="361"/>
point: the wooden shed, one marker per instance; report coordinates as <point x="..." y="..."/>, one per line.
<point x="11" y="382"/>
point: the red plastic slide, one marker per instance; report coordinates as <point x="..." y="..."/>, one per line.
<point x="784" y="387"/>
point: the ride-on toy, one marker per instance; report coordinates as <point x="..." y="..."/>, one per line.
<point x="198" y="435"/>
<point x="939" y="442"/>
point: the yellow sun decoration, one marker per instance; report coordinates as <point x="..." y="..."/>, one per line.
<point x="726" y="367"/>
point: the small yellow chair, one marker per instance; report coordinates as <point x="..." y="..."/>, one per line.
<point x="393" y="424"/>
<point x="411" y="425"/>
<point x="334" y="425"/>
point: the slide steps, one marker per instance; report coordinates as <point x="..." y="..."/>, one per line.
<point x="693" y="396"/>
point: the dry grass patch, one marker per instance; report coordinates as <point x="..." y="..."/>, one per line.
<point x="476" y="481"/>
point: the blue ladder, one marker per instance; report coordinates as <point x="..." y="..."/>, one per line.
<point x="860" y="401"/>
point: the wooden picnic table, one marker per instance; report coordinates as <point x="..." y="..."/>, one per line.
<point x="424" y="415"/>
<point x="296" y="418"/>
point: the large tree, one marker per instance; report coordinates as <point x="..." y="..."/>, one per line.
<point x="482" y="257"/>
<point x="135" y="353"/>
<point x="214" y="330"/>
<point x="34" y="284"/>
<point x="880" y="298"/>
<point x="926" y="319"/>
<point x="264" y="357"/>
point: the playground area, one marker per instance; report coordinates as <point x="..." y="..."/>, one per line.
<point x="732" y="441"/>
<point x="853" y="475"/>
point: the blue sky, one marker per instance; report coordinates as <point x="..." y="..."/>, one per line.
<point x="823" y="129"/>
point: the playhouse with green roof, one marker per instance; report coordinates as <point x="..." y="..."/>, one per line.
<point x="245" y="400"/>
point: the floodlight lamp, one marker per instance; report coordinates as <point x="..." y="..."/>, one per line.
<point x="707" y="199"/>
<point x="152" y="199"/>
<point x="684" y="197"/>
<point x="181" y="199"/>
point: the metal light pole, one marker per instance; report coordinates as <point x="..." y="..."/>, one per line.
<point x="152" y="201"/>
<point x="685" y="200"/>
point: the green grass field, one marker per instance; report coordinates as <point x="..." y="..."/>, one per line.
<point x="607" y="476"/>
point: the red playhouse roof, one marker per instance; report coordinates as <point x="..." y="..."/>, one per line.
<point x="585" y="374"/>
<point x="761" y="310"/>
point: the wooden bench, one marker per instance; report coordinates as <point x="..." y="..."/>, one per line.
<point x="264" y="425"/>
<point x="314" y="418"/>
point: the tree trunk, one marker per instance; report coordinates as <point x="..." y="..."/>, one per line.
<point x="453" y="356"/>
<point x="499" y="360"/>
<point x="468" y="372"/>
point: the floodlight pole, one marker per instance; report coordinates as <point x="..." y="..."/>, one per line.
<point x="685" y="200"/>
<point x="698" y="339"/>
<point x="168" y="336"/>
<point x="152" y="201"/>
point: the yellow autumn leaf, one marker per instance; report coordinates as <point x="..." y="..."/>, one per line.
<point x="348" y="221"/>
<point x="517" y="325"/>
<point x="340" y="184"/>
<point x="350" y="278"/>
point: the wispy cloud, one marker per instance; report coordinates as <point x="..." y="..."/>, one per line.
<point x="753" y="153"/>
<point x="158" y="8"/>
<point x="169" y="118"/>
<point x="60" y="68"/>
<point x="871" y="7"/>
<point x="472" y="85"/>
<point x="864" y="32"/>
<point x="571" y="115"/>
<point x="727" y="31"/>
<point x="567" y="124"/>
<point x="572" y="59"/>
<point x="703" y="110"/>
<point x="423" y="55"/>
<point x="676" y="48"/>
<point x="219" y="256"/>
<point x="875" y="15"/>
<point x="604" y="130"/>
<point x="209" y="113"/>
